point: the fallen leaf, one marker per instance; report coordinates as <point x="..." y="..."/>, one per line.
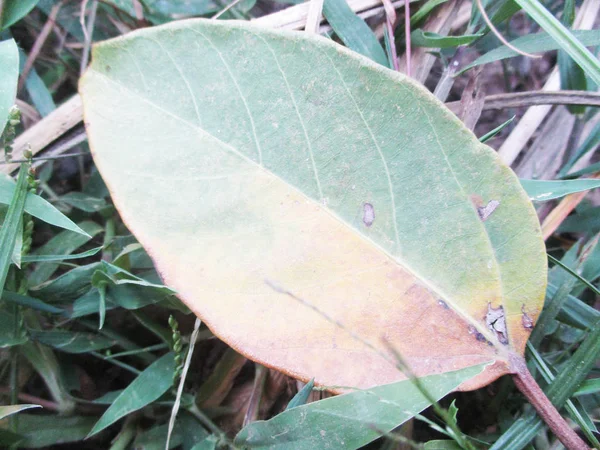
<point x="238" y="155"/>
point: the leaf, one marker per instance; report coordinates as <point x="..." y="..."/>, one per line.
<point x="351" y="420"/>
<point x="303" y="165"/>
<point x="302" y="395"/>
<point x="420" y="38"/>
<point x="353" y="31"/>
<point x="543" y="190"/>
<point x="43" y="431"/>
<point x="532" y="43"/>
<point x="37" y="207"/>
<point x="12" y="225"/>
<point x="11" y="11"/>
<point x="72" y="342"/>
<point x="442" y="445"/>
<point x="84" y="202"/>
<point x="9" y="73"/>
<point x="8" y="410"/>
<point x="147" y="387"/>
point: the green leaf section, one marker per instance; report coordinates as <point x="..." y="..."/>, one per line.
<point x="351" y="420"/>
<point x="533" y="43"/>
<point x="543" y="190"/>
<point x="354" y="31"/>
<point x="9" y="410"/>
<point x="146" y="388"/>
<point x="12" y="224"/>
<point x="72" y="342"/>
<point x="9" y="73"/>
<point x="12" y="11"/>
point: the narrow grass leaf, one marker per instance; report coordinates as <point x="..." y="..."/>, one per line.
<point x="37" y="90"/>
<point x="302" y="395"/>
<point x="590" y="143"/>
<point x="441" y="445"/>
<point x="572" y="76"/>
<point x="588" y="387"/>
<point x="9" y="410"/>
<point x="579" y="415"/>
<point x="563" y="37"/>
<point x="10" y="227"/>
<point x="420" y="38"/>
<point x="424" y="11"/>
<point x="146" y="388"/>
<point x="37" y="207"/>
<point x="53" y="258"/>
<point x="44" y="361"/>
<point x="576" y="313"/>
<point x="43" y="431"/>
<point x="532" y="43"/>
<point x="9" y="73"/>
<point x="72" y="342"/>
<point x="543" y="190"/>
<point x="84" y="202"/>
<point x="353" y="31"/>
<point x="351" y="420"/>
<point x="30" y="302"/>
<point x="490" y="134"/>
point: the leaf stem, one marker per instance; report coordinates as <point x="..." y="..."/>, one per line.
<point x="544" y="407"/>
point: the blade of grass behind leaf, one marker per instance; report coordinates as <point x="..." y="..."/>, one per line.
<point x="564" y="38"/>
<point x="10" y="227"/>
<point x="38" y="207"/>
<point x="572" y="76"/>
<point x="533" y="43"/>
<point x="353" y="31"/>
<point x="145" y="389"/>
<point x="302" y="395"/>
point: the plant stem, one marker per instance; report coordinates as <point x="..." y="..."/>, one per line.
<point x="544" y="407"/>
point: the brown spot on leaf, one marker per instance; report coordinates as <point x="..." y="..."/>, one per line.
<point x="486" y="211"/>
<point x="496" y="322"/>
<point x="526" y="320"/>
<point x="368" y="214"/>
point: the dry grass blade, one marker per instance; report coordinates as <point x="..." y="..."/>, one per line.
<point x="562" y="210"/>
<point x="533" y="98"/>
<point x="314" y="16"/>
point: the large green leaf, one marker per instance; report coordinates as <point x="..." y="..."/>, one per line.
<point x="265" y="169"/>
<point x="9" y="73"/>
<point x="351" y="420"/>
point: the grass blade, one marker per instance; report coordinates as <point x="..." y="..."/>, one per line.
<point x="353" y="31"/>
<point x="10" y="228"/>
<point x="564" y="38"/>
<point x="146" y="388"/>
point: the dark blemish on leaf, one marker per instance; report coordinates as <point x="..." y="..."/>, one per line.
<point x="487" y="210"/>
<point x="526" y="320"/>
<point x="443" y="304"/>
<point x="496" y="322"/>
<point x="368" y="214"/>
<point x="480" y="337"/>
<point x="108" y="68"/>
